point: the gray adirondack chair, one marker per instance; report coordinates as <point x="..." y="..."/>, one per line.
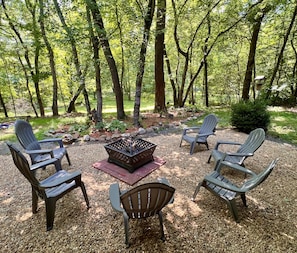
<point x="245" y="150"/>
<point x="50" y="189"/>
<point x="228" y="191"/>
<point x="141" y="202"/>
<point x="34" y="148"/>
<point x="199" y="134"/>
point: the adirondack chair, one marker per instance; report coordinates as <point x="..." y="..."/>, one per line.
<point x="228" y="191"/>
<point x="34" y="148"/>
<point x="50" y="189"/>
<point x="198" y="134"/>
<point x="141" y="202"/>
<point x="246" y="149"/>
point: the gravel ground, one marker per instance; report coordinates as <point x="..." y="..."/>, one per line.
<point x="268" y="224"/>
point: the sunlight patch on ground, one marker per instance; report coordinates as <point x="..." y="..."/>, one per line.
<point x="25" y="216"/>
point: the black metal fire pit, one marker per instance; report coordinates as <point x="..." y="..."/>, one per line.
<point x="130" y="153"/>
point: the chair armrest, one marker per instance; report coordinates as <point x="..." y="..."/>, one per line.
<point x="206" y="134"/>
<point x="163" y="180"/>
<point x="235" y="167"/>
<point x="185" y="130"/>
<point x="222" y="142"/>
<point x="60" y="177"/>
<point x="114" y="197"/>
<point x="58" y="140"/>
<point x="223" y="185"/>
<point x="40" y="151"/>
<point x="239" y="154"/>
<point x="43" y="164"/>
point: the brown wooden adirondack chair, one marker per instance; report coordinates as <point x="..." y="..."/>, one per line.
<point x="141" y="202"/>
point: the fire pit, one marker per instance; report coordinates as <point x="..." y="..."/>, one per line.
<point x="130" y="153"/>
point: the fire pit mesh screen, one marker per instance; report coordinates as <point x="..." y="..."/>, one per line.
<point x="129" y="153"/>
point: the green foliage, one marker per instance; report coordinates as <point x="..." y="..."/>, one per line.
<point x="114" y="125"/>
<point x="81" y="128"/>
<point x="248" y="115"/>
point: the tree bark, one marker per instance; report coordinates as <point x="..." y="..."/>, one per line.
<point x="280" y="56"/>
<point x="79" y="74"/>
<point x="159" y="57"/>
<point x="148" y="19"/>
<point x="51" y="60"/>
<point x="2" y="103"/>
<point x="100" y="29"/>
<point x="96" y="61"/>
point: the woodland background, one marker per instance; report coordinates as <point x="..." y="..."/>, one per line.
<point x="58" y="54"/>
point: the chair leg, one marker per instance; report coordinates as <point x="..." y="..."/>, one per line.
<point x="208" y="161"/>
<point x="50" y="205"/>
<point x="83" y="189"/>
<point x="34" y="201"/>
<point x="197" y="190"/>
<point x="192" y="148"/>
<point x="233" y="209"/>
<point x="68" y="159"/>
<point x="126" y="224"/>
<point x="161" y="226"/>
<point x="243" y="199"/>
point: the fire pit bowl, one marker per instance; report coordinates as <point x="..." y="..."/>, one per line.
<point x="130" y="153"/>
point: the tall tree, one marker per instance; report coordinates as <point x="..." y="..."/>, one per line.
<point x="159" y="57"/>
<point x="100" y="29"/>
<point x="34" y="71"/>
<point x="148" y="19"/>
<point x="51" y="59"/>
<point x="280" y="55"/>
<point x="96" y="60"/>
<point x="77" y="64"/>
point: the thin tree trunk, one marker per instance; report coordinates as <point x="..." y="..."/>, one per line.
<point x="2" y="103"/>
<point x="148" y="19"/>
<point x="34" y="76"/>
<point x="51" y="60"/>
<point x="96" y="60"/>
<point x="100" y="29"/>
<point x="251" y="59"/>
<point x="79" y="74"/>
<point x="159" y="58"/>
<point x="280" y="56"/>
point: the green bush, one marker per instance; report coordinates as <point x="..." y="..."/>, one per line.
<point x="248" y="115"/>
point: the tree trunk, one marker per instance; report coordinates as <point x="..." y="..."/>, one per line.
<point x="79" y="74"/>
<point x="96" y="61"/>
<point x="159" y="58"/>
<point x="3" y="105"/>
<point x="34" y="76"/>
<point x="251" y="59"/>
<point x="100" y="29"/>
<point x="280" y="56"/>
<point x="51" y="60"/>
<point x="27" y="84"/>
<point x="148" y="19"/>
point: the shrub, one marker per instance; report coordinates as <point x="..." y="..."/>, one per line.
<point x="248" y="115"/>
<point x="116" y="125"/>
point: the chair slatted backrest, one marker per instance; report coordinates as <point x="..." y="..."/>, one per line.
<point x="253" y="142"/>
<point x="258" y="179"/>
<point x="146" y="200"/>
<point x="24" y="133"/>
<point x="209" y="124"/>
<point x="22" y="164"/>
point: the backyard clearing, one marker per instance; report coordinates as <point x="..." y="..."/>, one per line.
<point x="268" y="224"/>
